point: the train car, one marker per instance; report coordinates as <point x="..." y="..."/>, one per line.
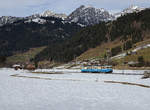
<point x="97" y="69"/>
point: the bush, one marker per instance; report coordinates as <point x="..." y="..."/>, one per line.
<point x="116" y="50"/>
<point x="127" y="45"/>
<point x="2" y="59"/>
<point x="141" y="61"/>
<point x="147" y="64"/>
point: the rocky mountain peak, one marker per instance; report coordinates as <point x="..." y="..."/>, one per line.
<point x="49" y="13"/>
<point x="130" y="9"/>
<point x="89" y="15"/>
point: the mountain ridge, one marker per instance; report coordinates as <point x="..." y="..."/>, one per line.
<point x="128" y="30"/>
<point x="85" y="15"/>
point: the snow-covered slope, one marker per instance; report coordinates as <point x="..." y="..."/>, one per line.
<point x="131" y="9"/>
<point x="88" y="15"/>
<point x="36" y="20"/>
<point x="33" y="18"/>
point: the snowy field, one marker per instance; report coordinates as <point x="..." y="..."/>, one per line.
<point x="72" y="91"/>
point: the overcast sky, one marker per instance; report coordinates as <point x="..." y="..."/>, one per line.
<point x="29" y="7"/>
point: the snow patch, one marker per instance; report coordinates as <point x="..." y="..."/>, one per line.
<point x="52" y="22"/>
<point x="122" y="55"/>
<point x="36" y="20"/>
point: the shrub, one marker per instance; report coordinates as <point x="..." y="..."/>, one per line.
<point x="127" y="45"/>
<point x="141" y="61"/>
<point x="2" y="59"/>
<point x="116" y="50"/>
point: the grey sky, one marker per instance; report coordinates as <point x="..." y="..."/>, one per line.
<point x="28" y="7"/>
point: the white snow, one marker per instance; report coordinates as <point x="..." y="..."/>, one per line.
<point x="119" y="56"/>
<point x="49" y="13"/>
<point x="74" y="70"/>
<point x="131" y="9"/>
<point x="130" y="72"/>
<point x="59" y="70"/>
<point x="87" y="6"/>
<point x="52" y="22"/>
<point x="141" y="47"/>
<point x="39" y="20"/>
<point x="102" y="10"/>
<point x="88" y="93"/>
<point x="36" y="20"/>
<point x="16" y="65"/>
<point x="81" y="25"/>
<point x="134" y="7"/>
<point x="63" y="22"/>
<point x="75" y="19"/>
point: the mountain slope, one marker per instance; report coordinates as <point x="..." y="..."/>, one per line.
<point x="76" y="45"/>
<point x="128" y="30"/>
<point x="24" y="34"/>
<point x="23" y="57"/>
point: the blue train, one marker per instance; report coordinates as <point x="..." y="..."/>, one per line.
<point x="97" y="69"/>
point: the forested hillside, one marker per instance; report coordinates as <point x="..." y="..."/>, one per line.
<point x="128" y="29"/>
<point x="24" y="34"/>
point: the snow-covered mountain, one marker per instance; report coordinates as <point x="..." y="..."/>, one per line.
<point x="33" y="18"/>
<point x="84" y="15"/>
<point x="38" y="17"/>
<point x="131" y="9"/>
<point x="88" y="15"/>
<point x="49" y="13"/>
